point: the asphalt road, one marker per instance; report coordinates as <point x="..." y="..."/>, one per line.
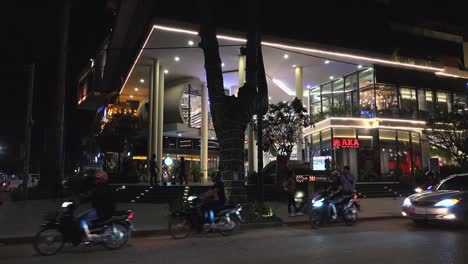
<point x="382" y="241"/>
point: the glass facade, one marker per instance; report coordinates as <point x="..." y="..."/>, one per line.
<point x="190" y="106"/>
<point x="357" y="95"/>
<point x="399" y="152"/>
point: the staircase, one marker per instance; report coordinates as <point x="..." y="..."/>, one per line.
<point x="154" y="194"/>
<point x="382" y="189"/>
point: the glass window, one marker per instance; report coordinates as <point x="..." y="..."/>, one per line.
<point x="443" y="102"/>
<point x="408" y="103"/>
<point x="388" y="157"/>
<point x="351" y="95"/>
<point x="416" y="148"/>
<point x="326" y="97"/>
<point x="404" y="152"/>
<point x="367" y="103"/>
<point x="460" y="100"/>
<point x="458" y="183"/>
<point x="344" y="133"/>
<point x="314" y="97"/>
<point x="366" y="77"/>
<point x="351" y="82"/>
<point x="326" y="143"/>
<point x="338" y="99"/>
<point x="387" y="101"/>
<point x="316" y="141"/>
<point x="366" y="137"/>
<point x="326" y="134"/>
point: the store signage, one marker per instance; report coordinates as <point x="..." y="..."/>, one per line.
<point x="345" y="143"/>
<point x="310" y="178"/>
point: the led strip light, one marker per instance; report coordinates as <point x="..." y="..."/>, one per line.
<point x="278" y="45"/>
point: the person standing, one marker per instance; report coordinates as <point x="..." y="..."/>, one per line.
<point x="348" y="181"/>
<point x="182" y="171"/>
<point x="153" y="170"/>
<point x="290" y="191"/>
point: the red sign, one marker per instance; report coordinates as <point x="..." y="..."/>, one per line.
<point x="345" y="143"/>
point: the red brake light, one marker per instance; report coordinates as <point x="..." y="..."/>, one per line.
<point x="4" y="184"/>
<point x="130" y="215"/>
<point x="355" y="197"/>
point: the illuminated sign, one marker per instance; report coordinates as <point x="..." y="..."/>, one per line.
<point x="321" y="163"/>
<point x="310" y="178"/>
<point x="345" y="143"/>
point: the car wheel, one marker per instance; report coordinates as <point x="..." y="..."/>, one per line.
<point x="420" y="222"/>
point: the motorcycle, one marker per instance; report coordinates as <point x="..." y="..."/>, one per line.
<point x="227" y="221"/>
<point x="321" y="209"/>
<point x="62" y="226"/>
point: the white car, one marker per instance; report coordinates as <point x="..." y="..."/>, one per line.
<point x="448" y="202"/>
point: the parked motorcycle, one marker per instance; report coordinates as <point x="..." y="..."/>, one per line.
<point x="321" y="209"/>
<point x="63" y="226"/>
<point x="227" y="221"/>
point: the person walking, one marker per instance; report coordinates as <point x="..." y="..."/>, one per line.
<point x="290" y="191"/>
<point x="182" y="171"/>
<point x="348" y="181"/>
<point x="153" y="171"/>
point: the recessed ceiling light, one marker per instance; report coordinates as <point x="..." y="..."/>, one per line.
<point x="136" y="89"/>
<point x="331" y="77"/>
<point x="327" y="61"/>
<point x="131" y="96"/>
<point x="286" y="56"/>
<point x="142" y="80"/>
<point x="166" y="71"/>
<point x="359" y="66"/>
<point x="269" y="97"/>
<point x="308" y="86"/>
<point x="222" y="64"/>
<point x="294" y="65"/>
<point x="190" y="42"/>
<point x="212" y="137"/>
<point x="179" y="135"/>
<point x="176" y="58"/>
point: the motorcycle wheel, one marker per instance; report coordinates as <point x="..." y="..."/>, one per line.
<point x="315" y="219"/>
<point x="119" y="235"/>
<point x="48" y="241"/>
<point x="350" y="218"/>
<point x="235" y="227"/>
<point x="180" y="227"/>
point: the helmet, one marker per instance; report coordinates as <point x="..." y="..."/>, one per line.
<point x="101" y="177"/>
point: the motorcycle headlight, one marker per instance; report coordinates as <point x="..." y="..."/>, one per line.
<point x="66" y="204"/>
<point x="407" y="202"/>
<point x="447" y="202"/>
<point x="318" y="203"/>
<point x="418" y="190"/>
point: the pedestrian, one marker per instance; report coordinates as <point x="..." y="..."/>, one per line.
<point x="153" y="170"/>
<point x="348" y="181"/>
<point x="290" y="191"/>
<point x="182" y="171"/>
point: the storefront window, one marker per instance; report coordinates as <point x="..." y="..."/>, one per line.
<point x="387" y="101"/>
<point x="368" y="153"/>
<point x="326" y="146"/>
<point x="416" y="150"/>
<point x="314" y="97"/>
<point x="366" y="77"/>
<point x="367" y="102"/>
<point x="460" y="100"/>
<point x="326" y="97"/>
<point x="409" y="104"/>
<point x="351" y="95"/>
<point x="338" y="99"/>
<point x="388" y="158"/>
<point x="404" y="153"/>
<point x="443" y="103"/>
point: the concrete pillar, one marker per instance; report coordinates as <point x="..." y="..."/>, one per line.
<point x="204" y="132"/>
<point x="153" y="114"/>
<point x="300" y="95"/>
<point x="241" y="72"/>
<point x="150" y="118"/>
<point x="160" y="110"/>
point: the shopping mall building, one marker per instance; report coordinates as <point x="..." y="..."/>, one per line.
<point x="369" y="109"/>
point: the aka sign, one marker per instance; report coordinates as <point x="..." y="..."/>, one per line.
<point x="345" y="143"/>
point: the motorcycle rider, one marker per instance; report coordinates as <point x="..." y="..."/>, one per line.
<point x="335" y="192"/>
<point x="100" y="195"/>
<point x="218" y="196"/>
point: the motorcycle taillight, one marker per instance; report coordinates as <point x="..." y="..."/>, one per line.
<point x="130" y="215"/>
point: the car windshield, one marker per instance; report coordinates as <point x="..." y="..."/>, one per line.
<point x="459" y="183"/>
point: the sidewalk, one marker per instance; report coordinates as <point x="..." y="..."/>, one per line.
<point x="21" y="220"/>
<point x="371" y="208"/>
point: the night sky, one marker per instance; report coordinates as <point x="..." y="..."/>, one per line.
<point x="30" y="32"/>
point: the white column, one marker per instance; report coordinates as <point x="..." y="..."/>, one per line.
<point x="241" y="74"/>
<point x="150" y="116"/>
<point x="159" y="141"/>
<point x="204" y="132"/>
<point x="154" y="99"/>
<point x="300" y="95"/>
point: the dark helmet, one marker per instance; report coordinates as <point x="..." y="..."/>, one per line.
<point x="216" y="176"/>
<point x="334" y="176"/>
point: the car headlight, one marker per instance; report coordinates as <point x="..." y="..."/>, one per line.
<point x="407" y="202"/>
<point x="318" y="203"/>
<point x="418" y="190"/>
<point x="447" y="202"/>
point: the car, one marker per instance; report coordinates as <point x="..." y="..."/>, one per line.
<point x="448" y="202"/>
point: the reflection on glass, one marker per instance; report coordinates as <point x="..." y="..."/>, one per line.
<point x="314" y="99"/>
<point x="408" y="103"/>
<point x="367" y="103"/>
<point x="387" y="101"/>
<point x="443" y="102"/>
<point x="326" y="97"/>
<point x="366" y="77"/>
<point x="338" y="99"/>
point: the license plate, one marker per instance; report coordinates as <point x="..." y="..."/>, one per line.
<point x="421" y="211"/>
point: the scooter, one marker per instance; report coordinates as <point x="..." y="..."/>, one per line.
<point x="321" y="211"/>
<point x="227" y="221"/>
<point x="63" y="226"/>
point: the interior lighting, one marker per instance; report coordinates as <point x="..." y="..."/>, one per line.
<point x="327" y="61"/>
<point x="190" y="42"/>
<point x="286" y="56"/>
<point x="176" y="59"/>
